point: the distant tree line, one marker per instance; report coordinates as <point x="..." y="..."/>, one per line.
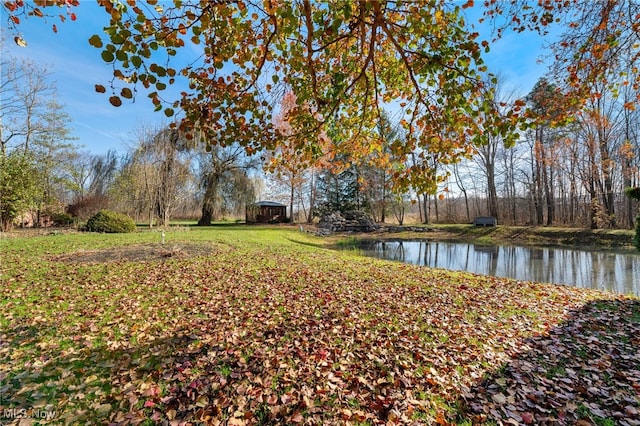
<point x="47" y="179"/>
<point x="570" y="166"/>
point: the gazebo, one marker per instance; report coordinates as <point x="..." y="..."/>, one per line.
<point x="266" y="212"/>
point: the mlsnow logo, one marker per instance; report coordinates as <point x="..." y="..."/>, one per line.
<point x="27" y="413"/>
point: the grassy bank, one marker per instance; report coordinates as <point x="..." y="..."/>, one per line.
<point x="539" y="235"/>
<point x="258" y="325"/>
<point x="602" y="239"/>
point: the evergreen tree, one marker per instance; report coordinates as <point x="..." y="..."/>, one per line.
<point x="340" y="191"/>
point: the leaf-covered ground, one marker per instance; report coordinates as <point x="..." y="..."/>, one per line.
<point x="265" y="326"/>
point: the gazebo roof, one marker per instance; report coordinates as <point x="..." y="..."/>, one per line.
<point x="269" y="204"/>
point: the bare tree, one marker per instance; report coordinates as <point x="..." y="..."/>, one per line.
<point x="155" y="174"/>
<point x="28" y="96"/>
<point x="34" y="123"/>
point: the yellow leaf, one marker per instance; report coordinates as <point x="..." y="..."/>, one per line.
<point x="20" y="41"/>
<point x="202" y="401"/>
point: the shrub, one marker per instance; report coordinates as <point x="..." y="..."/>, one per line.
<point x="111" y="222"/>
<point x="633" y="192"/>
<point x="61" y="219"/>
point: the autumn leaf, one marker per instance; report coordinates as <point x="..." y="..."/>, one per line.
<point x="126" y="93"/>
<point x="20" y="41"/>
<point x="95" y="41"/>
<point x="303" y="335"/>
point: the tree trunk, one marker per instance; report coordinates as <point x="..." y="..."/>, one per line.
<point x="435" y="205"/>
<point x="5" y="224"/>
<point x="207" y="213"/>
<point x="608" y="195"/>
<point x="548" y="193"/>
<point x="537" y="196"/>
<point x="208" y="201"/>
<point x="312" y="197"/>
<point x="492" y="200"/>
<point x="425" y="208"/>
<point x="593" y="210"/>
<point x="628" y="204"/>
<point x="292" y="196"/>
<point x="573" y="201"/>
<point x="384" y="198"/>
<point x="466" y="204"/>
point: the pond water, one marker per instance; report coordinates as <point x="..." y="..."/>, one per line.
<point x="617" y="272"/>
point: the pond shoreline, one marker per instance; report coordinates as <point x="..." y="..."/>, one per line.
<point x="599" y="239"/>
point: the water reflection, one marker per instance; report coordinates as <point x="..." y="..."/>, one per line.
<point x="616" y="272"/>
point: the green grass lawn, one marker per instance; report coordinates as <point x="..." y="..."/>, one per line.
<point x="266" y="325"/>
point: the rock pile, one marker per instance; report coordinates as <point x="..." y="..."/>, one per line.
<point x="351" y="221"/>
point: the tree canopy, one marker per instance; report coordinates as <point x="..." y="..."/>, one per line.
<point x="344" y="61"/>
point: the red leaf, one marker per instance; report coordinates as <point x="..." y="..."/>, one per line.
<point x="527" y="418"/>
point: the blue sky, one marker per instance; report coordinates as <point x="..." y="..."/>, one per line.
<point x="76" y="67"/>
